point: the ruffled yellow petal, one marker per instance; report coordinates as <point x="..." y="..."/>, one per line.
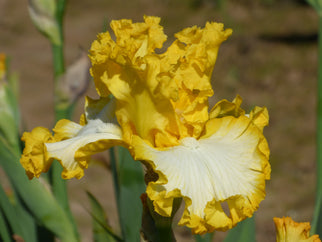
<point x="193" y="71"/>
<point x="226" y="165"/>
<point x="259" y="116"/>
<point x="225" y="108"/>
<point x="127" y="69"/>
<point x="160" y="97"/>
<point x="65" y="129"/>
<point x="138" y="39"/>
<point x="134" y="40"/>
<point x="34" y="158"/>
<point x="198" y="60"/>
<point x="80" y="142"/>
<point x="290" y="231"/>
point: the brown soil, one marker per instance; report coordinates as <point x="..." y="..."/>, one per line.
<point x="270" y="60"/>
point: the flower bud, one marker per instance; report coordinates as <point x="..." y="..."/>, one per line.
<point x="42" y="13"/>
<point x="74" y="82"/>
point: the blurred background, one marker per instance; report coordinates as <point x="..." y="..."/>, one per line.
<point x="270" y="60"/>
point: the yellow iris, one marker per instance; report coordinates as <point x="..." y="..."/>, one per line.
<point x="159" y="110"/>
<point x="290" y="231"/>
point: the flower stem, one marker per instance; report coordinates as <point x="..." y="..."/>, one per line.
<point x="58" y="184"/>
<point x="317" y="218"/>
<point x="61" y="111"/>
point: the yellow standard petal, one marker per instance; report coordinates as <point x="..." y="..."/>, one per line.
<point x="34" y="158"/>
<point x="129" y="69"/>
<point x="289" y="231"/>
<point x="79" y="142"/>
<point x="193" y="72"/>
<point x="200" y="53"/>
<point x="226" y="164"/>
<point x="112" y="59"/>
<point x="160" y="97"/>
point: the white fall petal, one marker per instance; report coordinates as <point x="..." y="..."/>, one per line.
<point x="93" y="131"/>
<point x="215" y="168"/>
<point x="78" y="142"/>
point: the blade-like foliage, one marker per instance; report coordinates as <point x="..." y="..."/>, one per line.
<point x="19" y="220"/>
<point x="4" y="230"/>
<point x="37" y="198"/>
<point x="102" y="232"/>
<point x="130" y="185"/>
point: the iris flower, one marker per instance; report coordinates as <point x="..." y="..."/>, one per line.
<point x="159" y="110"/>
<point x="290" y="231"/>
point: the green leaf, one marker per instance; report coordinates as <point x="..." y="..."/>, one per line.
<point x="37" y="198"/>
<point x="243" y="232"/>
<point x="59" y="188"/>
<point x="101" y="230"/>
<point x="28" y="223"/>
<point x="15" y="221"/>
<point x="4" y="232"/>
<point x="129" y="175"/>
<point x="204" y="238"/>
